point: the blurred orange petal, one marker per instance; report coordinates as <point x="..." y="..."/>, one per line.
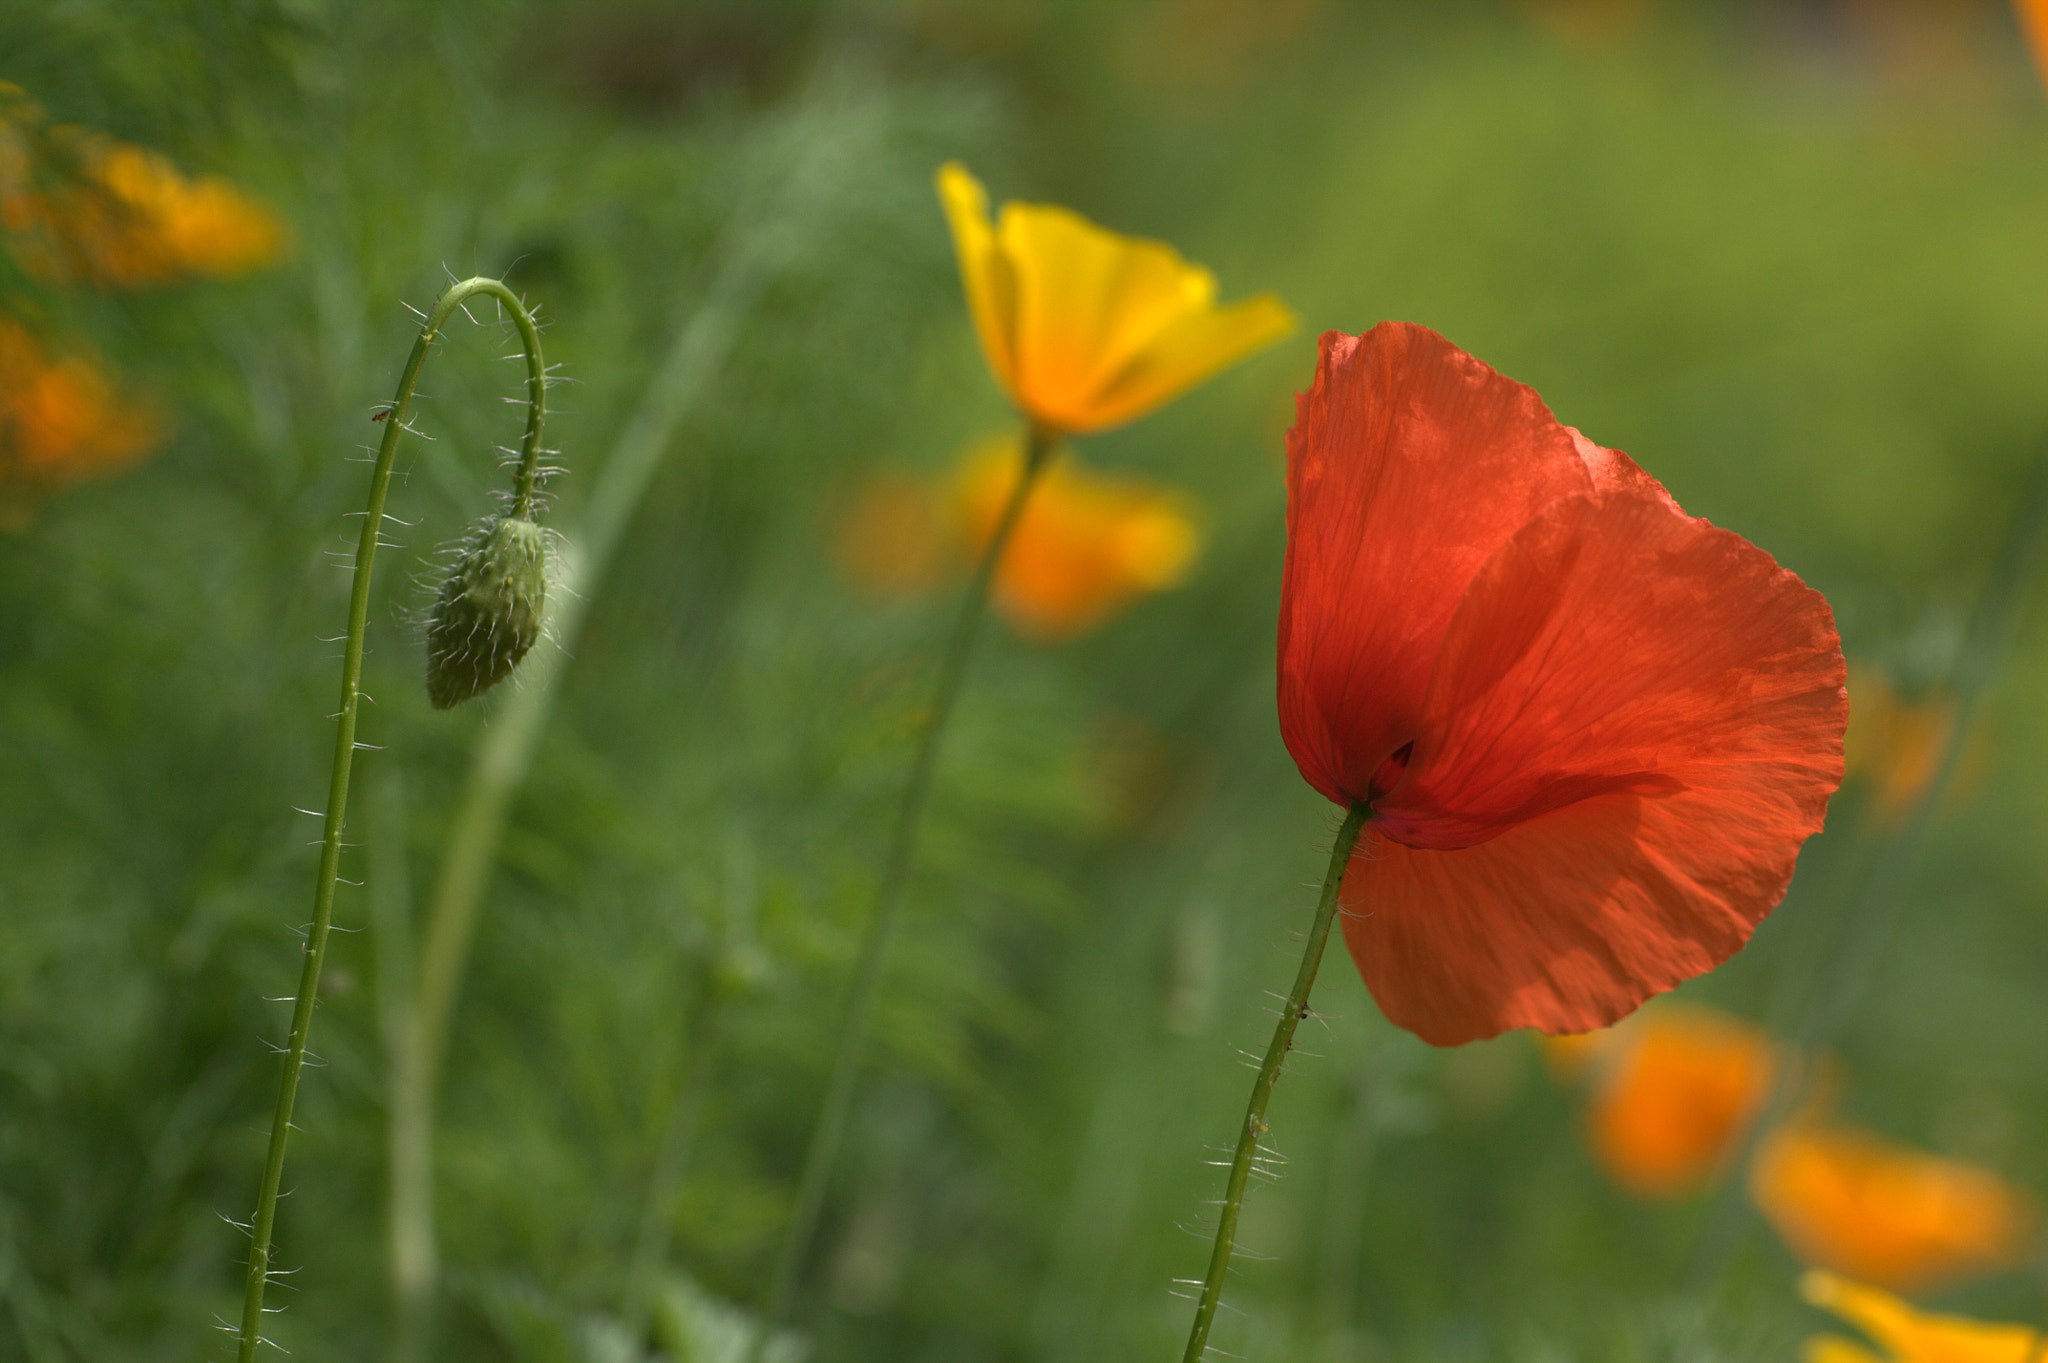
<point x="1846" y="1200"/>
<point x="1087" y="546"/>
<point x="1675" y="1101"/>
<point x="1907" y="1335"/>
<point x="79" y="206"/>
<point x="60" y="419"/>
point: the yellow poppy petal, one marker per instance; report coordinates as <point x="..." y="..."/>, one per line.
<point x="1189" y="351"/>
<point x="1835" y="1349"/>
<point x="1910" y="1336"/>
<point x="990" y="283"/>
<point x="1088" y="302"/>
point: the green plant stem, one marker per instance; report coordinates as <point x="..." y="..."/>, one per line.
<point x="1291" y="1014"/>
<point x="887" y="914"/>
<point x="344" y="750"/>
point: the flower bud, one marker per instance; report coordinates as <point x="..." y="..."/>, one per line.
<point x="489" y="612"/>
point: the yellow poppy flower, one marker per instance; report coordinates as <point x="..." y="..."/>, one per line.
<point x="1846" y="1200"/>
<point x="1084" y="328"/>
<point x="1086" y="546"/>
<point x="1904" y="1334"/>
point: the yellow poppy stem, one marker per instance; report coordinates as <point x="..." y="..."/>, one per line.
<point x="315" y="950"/>
<point x="1291" y="1014"/>
<point x="888" y="911"/>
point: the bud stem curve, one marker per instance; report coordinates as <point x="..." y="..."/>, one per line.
<point x="315" y="950"/>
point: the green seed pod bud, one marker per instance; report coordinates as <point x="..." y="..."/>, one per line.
<point x="489" y="612"/>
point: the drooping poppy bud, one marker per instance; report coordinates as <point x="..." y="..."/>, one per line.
<point x="489" y="611"/>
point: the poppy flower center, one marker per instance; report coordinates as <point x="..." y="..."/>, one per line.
<point x="1389" y="773"/>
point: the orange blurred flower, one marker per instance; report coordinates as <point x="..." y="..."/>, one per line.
<point x="60" y="420"/>
<point x="1905" y="1335"/>
<point x="79" y="206"/>
<point x="1088" y="544"/>
<point x="1084" y="328"/>
<point x="1846" y="1200"/>
<point x="1675" y="1097"/>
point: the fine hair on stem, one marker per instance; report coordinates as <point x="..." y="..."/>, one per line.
<point x="451" y="300"/>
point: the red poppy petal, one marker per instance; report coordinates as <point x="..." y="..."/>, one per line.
<point x="1409" y="464"/>
<point x="1566" y="922"/>
<point x="1621" y="645"/>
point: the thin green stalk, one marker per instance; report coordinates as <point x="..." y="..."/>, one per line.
<point x="889" y="898"/>
<point x="1291" y="1014"/>
<point x="345" y="744"/>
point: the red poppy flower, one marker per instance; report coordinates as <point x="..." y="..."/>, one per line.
<point x="1593" y="731"/>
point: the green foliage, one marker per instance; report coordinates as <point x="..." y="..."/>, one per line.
<point x="1794" y="273"/>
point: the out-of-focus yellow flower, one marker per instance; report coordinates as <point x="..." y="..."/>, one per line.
<point x="1893" y="743"/>
<point x="1680" y="1085"/>
<point x="1905" y="1335"/>
<point x="60" y="421"/>
<point x="79" y="206"/>
<point x="1086" y="546"/>
<point x="1084" y="328"/>
<point x="1846" y="1200"/>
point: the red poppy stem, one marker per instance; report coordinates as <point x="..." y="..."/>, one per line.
<point x="889" y="896"/>
<point x="1254" y="1126"/>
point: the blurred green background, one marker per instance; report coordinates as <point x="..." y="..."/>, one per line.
<point x="1793" y="257"/>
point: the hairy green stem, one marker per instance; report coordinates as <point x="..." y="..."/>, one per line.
<point x="345" y="743"/>
<point x="1291" y="1014"/>
<point x="887" y="915"/>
